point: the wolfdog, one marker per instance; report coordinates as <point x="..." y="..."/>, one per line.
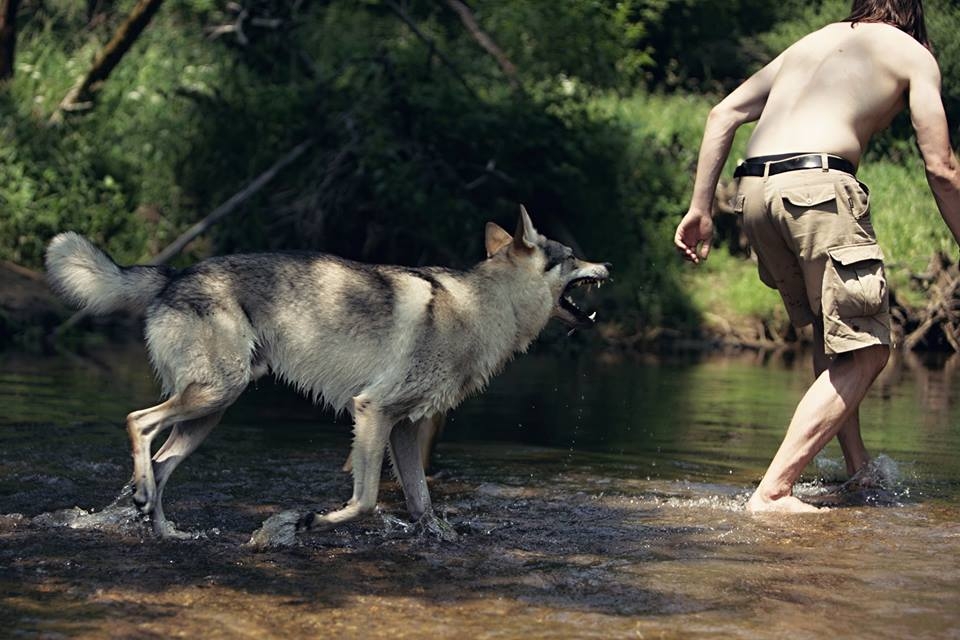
<point x="394" y="346"/>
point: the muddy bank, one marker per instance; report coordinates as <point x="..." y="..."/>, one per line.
<point x="30" y="313"/>
<point x="28" y="310"/>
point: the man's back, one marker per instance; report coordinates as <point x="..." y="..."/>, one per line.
<point x="835" y="88"/>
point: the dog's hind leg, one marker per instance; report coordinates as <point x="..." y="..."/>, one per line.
<point x="195" y="401"/>
<point x="406" y="453"/>
<point x="371" y="431"/>
<point x="184" y="438"/>
<point x="428" y="432"/>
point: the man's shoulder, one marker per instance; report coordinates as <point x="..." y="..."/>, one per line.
<point x="886" y="39"/>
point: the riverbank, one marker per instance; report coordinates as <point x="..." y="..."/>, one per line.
<point x="736" y="311"/>
<point x="30" y="314"/>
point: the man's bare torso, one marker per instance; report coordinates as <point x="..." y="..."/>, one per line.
<point x="834" y="89"/>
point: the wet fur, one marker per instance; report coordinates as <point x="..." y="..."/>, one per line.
<point x="393" y="346"/>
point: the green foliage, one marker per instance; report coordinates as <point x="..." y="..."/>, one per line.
<point x="708" y="45"/>
<point x="420" y="136"/>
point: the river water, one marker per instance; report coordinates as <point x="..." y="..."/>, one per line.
<point x="596" y="496"/>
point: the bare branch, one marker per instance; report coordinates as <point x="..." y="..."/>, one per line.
<point x="485" y="41"/>
<point x="230" y="205"/>
<point x="215" y="216"/>
<point x="81" y="95"/>
<point x="400" y="13"/>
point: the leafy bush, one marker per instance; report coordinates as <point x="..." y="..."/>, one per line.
<point x="419" y="135"/>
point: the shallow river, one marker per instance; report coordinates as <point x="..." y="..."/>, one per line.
<point x="593" y="497"/>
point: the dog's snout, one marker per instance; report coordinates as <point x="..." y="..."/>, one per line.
<point x="607" y="265"/>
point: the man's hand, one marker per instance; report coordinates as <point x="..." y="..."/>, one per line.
<point x="695" y="230"/>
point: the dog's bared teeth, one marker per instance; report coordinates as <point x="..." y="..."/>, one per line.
<point x="593" y="316"/>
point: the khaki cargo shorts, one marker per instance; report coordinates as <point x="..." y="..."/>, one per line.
<point x="815" y="244"/>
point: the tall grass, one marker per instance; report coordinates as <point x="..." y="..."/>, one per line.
<point x="907" y="222"/>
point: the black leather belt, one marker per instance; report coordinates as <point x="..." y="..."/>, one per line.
<point x="755" y="166"/>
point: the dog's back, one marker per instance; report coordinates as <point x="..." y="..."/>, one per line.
<point x="331" y="327"/>
<point x="419" y="339"/>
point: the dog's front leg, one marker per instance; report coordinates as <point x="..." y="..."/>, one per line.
<point x="371" y="430"/>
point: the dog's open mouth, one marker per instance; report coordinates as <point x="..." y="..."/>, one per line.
<point x="578" y="317"/>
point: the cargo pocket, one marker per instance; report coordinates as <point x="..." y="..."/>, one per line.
<point x="854" y="297"/>
<point x="822" y="197"/>
<point x="737" y="203"/>
<point x="857" y="197"/>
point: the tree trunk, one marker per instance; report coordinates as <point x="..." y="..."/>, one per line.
<point x="81" y="95"/>
<point x="8" y="36"/>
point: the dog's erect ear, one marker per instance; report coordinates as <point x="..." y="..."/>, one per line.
<point x="526" y="236"/>
<point x="496" y="238"/>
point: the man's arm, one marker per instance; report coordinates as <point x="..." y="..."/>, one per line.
<point x="745" y="104"/>
<point x="933" y="138"/>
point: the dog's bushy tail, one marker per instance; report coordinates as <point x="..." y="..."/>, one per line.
<point x="88" y="278"/>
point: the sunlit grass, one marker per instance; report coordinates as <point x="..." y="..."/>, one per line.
<point x="907" y="222"/>
<point x="727" y="286"/>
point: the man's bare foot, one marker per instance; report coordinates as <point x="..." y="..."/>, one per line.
<point x="786" y="504"/>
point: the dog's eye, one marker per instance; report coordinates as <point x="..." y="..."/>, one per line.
<point x="551" y="263"/>
<point x="557" y="254"/>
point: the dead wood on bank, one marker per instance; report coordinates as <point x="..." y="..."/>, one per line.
<point x="936" y="327"/>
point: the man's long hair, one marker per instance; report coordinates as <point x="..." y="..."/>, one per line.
<point x="906" y="15"/>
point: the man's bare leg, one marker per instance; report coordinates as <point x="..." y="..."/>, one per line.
<point x="851" y="443"/>
<point x="855" y="453"/>
<point x="828" y="405"/>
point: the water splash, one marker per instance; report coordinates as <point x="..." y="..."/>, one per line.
<point x="280" y="530"/>
<point x="880" y="483"/>
<point x="830" y="469"/>
<point x="119" y="516"/>
<point x="699" y="495"/>
<point x="277" y="531"/>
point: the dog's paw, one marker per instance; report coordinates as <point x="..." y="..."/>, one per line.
<point x="432" y="526"/>
<point x="279" y="530"/>
<point x="144" y="499"/>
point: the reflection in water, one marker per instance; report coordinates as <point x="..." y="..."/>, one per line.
<point x="589" y="498"/>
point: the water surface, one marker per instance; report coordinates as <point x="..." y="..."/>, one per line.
<point x="593" y="497"/>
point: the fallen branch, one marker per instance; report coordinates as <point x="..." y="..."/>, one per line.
<point x="215" y="216"/>
<point x="80" y="96"/>
<point x="230" y="205"/>
<point x="943" y="295"/>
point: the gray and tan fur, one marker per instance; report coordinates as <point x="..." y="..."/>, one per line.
<point x="394" y="346"/>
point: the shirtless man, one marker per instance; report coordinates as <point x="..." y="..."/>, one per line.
<point x="807" y="217"/>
